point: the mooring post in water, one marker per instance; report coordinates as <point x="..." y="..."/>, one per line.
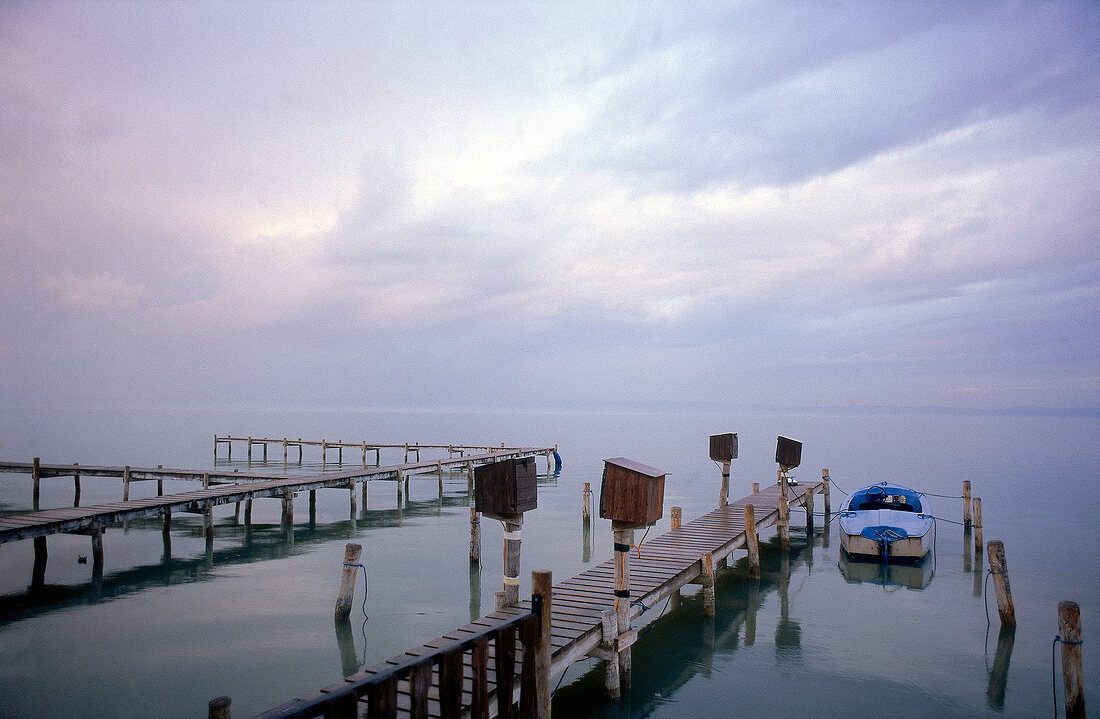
<point x="126" y="483"/>
<point x="755" y="487"/>
<point x="219" y="708"/>
<point x="586" y="504"/>
<point x="1069" y="631"/>
<point x="825" y="487"/>
<point x="808" y="503"/>
<point x="348" y="574"/>
<point x="208" y="522"/>
<point x="978" y="543"/>
<point x="610" y="627"/>
<point x="475" y="537"/>
<point x="96" y="531"/>
<point x="76" y="486"/>
<point x="966" y="502"/>
<point x="752" y="542"/>
<point x="513" y="537"/>
<point x="999" y="569"/>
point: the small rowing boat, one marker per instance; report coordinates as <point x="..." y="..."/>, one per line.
<point x="886" y="521"/>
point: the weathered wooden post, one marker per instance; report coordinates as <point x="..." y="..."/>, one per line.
<point x="783" y="514"/>
<point x="586" y="502"/>
<point x="609" y="625"/>
<point x="504" y="491"/>
<point x="752" y="542"/>
<point x="707" y="577"/>
<point x="999" y="569"/>
<point x="41" y="556"/>
<point x="250" y="450"/>
<point x="541" y="584"/>
<point x="676" y="517"/>
<point x="978" y="525"/>
<point x="723" y="449"/>
<point x="96" y="531"/>
<point x="475" y="537"/>
<point x="208" y="523"/>
<point x="36" y="471"/>
<point x="125" y="483"/>
<point x="166" y="532"/>
<point x="966" y="502"/>
<point x="346" y="593"/>
<point x="351" y="492"/>
<point x="219" y="708"/>
<point x="825" y="491"/>
<point x="1069" y="630"/>
<point x="808" y="503"/>
<point x="755" y="487"/>
<point x="632" y="497"/>
<point x="76" y="487"/>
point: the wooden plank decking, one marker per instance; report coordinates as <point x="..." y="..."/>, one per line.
<point x="663" y="565"/>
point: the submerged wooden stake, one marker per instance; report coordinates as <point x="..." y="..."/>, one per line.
<point x="978" y="543"/>
<point x="348" y="574"/>
<point x="999" y="569"/>
<point x="1069" y="629"/>
<point x="475" y="536"/>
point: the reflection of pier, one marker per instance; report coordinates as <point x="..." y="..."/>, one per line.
<point x="255" y="543"/>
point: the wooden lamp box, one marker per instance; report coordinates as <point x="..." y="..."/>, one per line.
<point x="723" y="447"/>
<point x="505" y="488"/>
<point x="788" y="452"/>
<point x="631" y="492"/>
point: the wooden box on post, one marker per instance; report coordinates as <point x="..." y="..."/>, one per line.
<point x="723" y="447"/>
<point x="505" y="488"/>
<point x="788" y="452"/>
<point x="631" y="493"/>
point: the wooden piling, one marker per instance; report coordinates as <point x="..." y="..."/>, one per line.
<point x="966" y="502"/>
<point x="784" y="523"/>
<point x="208" y="522"/>
<point x="475" y="536"/>
<point x="676" y="517"/>
<point x="755" y="487"/>
<point x="623" y="539"/>
<point x="724" y="492"/>
<point x="808" y="503"/>
<point x="708" y="584"/>
<point x="41" y="556"/>
<point x="586" y="505"/>
<point x="126" y="484"/>
<point x="1069" y="629"/>
<point x="350" y="571"/>
<point x="76" y="490"/>
<point x="36" y="478"/>
<point x="541" y="585"/>
<point x="513" y="536"/>
<point x="999" y="568"/>
<point x="352" y="498"/>
<point x="825" y="488"/>
<point x="219" y="708"/>
<point x="978" y="543"/>
<point x="610" y="629"/>
<point x="752" y="542"/>
<point x="96" y="531"/>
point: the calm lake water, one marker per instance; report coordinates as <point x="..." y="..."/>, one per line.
<point x="817" y="635"/>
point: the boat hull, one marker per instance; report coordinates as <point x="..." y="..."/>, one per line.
<point x="908" y="549"/>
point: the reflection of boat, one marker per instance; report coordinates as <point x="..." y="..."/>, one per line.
<point x="886" y="521"/>
<point x="914" y="575"/>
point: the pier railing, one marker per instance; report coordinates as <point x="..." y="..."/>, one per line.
<point x="518" y="647"/>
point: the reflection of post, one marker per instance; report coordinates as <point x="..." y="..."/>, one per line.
<point x="998" y="676"/>
<point x="967" y="551"/>
<point x="752" y="603"/>
<point x="979" y="575"/>
<point x="475" y="590"/>
<point x="345" y="641"/>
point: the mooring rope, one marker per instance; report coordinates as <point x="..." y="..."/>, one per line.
<point x="349" y="564"/>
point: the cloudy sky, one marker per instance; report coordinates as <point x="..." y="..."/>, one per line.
<point x="826" y="203"/>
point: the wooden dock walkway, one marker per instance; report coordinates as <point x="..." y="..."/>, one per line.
<point x="219" y="488"/>
<point x="581" y="623"/>
<point x="411" y="449"/>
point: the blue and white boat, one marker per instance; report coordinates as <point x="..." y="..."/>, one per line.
<point x="886" y="521"/>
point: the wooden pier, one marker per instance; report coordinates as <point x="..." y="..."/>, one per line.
<point x="411" y="450"/>
<point x="464" y="673"/>
<point x="218" y="488"/>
